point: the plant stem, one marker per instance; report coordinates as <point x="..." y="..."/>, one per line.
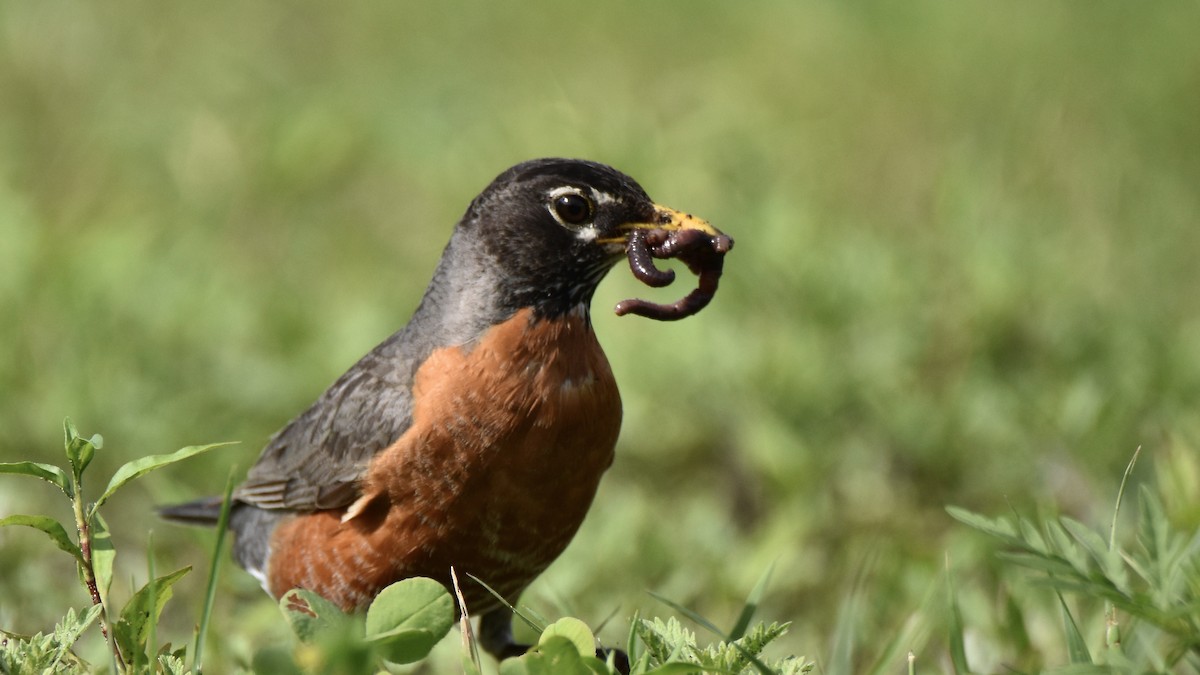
<point x="1112" y="627"/>
<point x="89" y="576"/>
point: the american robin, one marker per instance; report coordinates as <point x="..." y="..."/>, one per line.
<point x="476" y="436"/>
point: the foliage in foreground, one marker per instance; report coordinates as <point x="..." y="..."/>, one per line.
<point x="411" y="616"/>
<point x="1149" y="592"/>
<point x="402" y="625"/>
<point x="130" y="630"/>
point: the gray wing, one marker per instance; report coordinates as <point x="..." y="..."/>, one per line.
<point x="318" y="459"/>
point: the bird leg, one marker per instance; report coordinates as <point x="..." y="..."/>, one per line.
<point x="496" y="638"/>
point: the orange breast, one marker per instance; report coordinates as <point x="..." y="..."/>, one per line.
<point x="495" y="475"/>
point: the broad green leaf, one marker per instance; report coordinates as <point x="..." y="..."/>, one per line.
<point x="51" y="527"/>
<point x="406" y="645"/>
<point x="310" y="615"/>
<point x="574" y="630"/>
<point x="126" y="636"/>
<point x="419" y="603"/>
<point x="144" y="465"/>
<point x="409" y="617"/>
<point x="47" y="472"/>
<point x="69" y="432"/>
<point x="103" y="554"/>
<point x="80" y="451"/>
<point x="558" y="655"/>
<point x="143" y="608"/>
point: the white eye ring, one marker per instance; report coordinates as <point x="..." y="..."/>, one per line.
<point x="571" y="208"/>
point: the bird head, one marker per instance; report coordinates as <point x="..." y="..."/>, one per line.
<point x="550" y="229"/>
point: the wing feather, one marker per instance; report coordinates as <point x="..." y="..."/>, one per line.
<point x="317" y="461"/>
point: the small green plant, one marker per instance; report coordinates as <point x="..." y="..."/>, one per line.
<point x="402" y="625"/>
<point x="671" y="644"/>
<point x="654" y="647"/>
<point x="1150" y="591"/>
<point x="129" y="631"/>
<point x="47" y="653"/>
<point x="410" y="617"/>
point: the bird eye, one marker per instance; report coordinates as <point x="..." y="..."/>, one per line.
<point x="573" y="209"/>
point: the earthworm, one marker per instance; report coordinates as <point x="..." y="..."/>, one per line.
<point x="641" y="246"/>
<point x="703" y="254"/>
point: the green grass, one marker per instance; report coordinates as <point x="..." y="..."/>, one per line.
<point x="965" y="273"/>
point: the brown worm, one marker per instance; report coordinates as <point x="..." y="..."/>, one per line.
<point x="703" y="254"/>
<point x="641" y="246"/>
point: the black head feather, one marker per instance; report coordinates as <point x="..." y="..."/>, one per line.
<point x="534" y="258"/>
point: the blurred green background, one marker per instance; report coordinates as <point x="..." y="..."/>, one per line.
<point x="966" y="270"/>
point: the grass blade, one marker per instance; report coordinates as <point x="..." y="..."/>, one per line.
<point x="471" y="663"/>
<point x="958" y="650"/>
<point x="214" y="567"/>
<point x="841" y="654"/>
<point x="692" y="616"/>
<point x="631" y="642"/>
<point x="751" y="605"/>
<point x="1077" y="650"/>
<point x="152" y="628"/>
<point x="1112" y="530"/>
<point x="517" y="613"/>
<point x="845" y="633"/>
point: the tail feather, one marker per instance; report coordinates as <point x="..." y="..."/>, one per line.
<point x="203" y="512"/>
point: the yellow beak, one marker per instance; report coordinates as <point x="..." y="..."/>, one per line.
<point x="667" y="218"/>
